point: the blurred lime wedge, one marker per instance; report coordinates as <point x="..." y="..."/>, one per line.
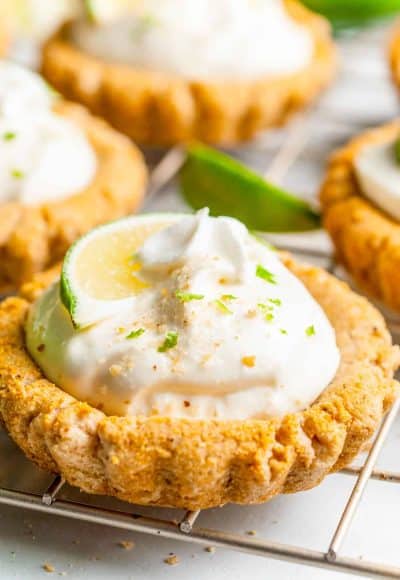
<point x="213" y="179"/>
<point x="353" y="12"/>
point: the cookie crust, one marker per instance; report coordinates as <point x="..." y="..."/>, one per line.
<point x="196" y="464"/>
<point x="161" y="109"/>
<point x="33" y="238"/>
<point x="394" y="55"/>
<point x="366" y="239"/>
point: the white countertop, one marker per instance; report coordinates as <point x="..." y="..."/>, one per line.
<point x="86" y="551"/>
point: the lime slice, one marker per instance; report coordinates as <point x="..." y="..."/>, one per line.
<point x="213" y="179"/>
<point x="98" y="276"/>
<point x="99" y="11"/>
<point x="353" y="12"/>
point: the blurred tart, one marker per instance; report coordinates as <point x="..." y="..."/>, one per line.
<point x="159" y="373"/>
<point x="360" y="201"/>
<point x="27" y="24"/>
<point x="62" y="172"/>
<point x="220" y="72"/>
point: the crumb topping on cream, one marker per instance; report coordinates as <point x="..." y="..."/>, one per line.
<point x="255" y="346"/>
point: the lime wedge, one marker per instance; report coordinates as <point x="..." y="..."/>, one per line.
<point x="213" y="179"/>
<point x="353" y="12"/>
<point x="98" y="276"/>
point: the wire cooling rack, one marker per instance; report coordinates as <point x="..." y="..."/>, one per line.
<point x="295" y="146"/>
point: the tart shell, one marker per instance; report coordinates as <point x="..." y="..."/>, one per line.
<point x="394" y="55"/>
<point x="196" y="464"/>
<point x="161" y="109"/>
<point x="33" y="238"/>
<point x="367" y="240"/>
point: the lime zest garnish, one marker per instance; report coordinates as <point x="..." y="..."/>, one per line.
<point x="265" y="274"/>
<point x="17" y="173"/>
<point x="275" y="301"/>
<point x="222" y="307"/>
<point x="310" y="330"/>
<point x="135" y="333"/>
<point x="228" y="297"/>
<point x="266" y="309"/>
<point x="188" y="296"/>
<point x="283" y="331"/>
<point x="9" y="136"/>
<point x="170" y="341"/>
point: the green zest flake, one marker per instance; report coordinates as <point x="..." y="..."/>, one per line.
<point x="222" y="307"/>
<point x="135" y="333"/>
<point x="275" y="301"/>
<point x="266" y="310"/>
<point x="310" y="330"/>
<point x="265" y="274"/>
<point x="228" y="297"/>
<point x="17" y="173"/>
<point x="187" y="296"/>
<point x="282" y="331"/>
<point x="171" y="340"/>
<point x="9" y="136"/>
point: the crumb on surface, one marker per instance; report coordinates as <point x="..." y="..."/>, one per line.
<point x="251" y="533"/>
<point x="126" y="544"/>
<point x="249" y="361"/>
<point x="210" y="549"/>
<point x="115" y="370"/>
<point x="48" y="567"/>
<point x="172" y="560"/>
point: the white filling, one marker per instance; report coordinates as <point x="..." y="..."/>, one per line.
<point x="379" y="176"/>
<point x="202" y="38"/>
<point x="32" y="22"/>
<point x="43" y="157"/>
<point x="272" y="352"/>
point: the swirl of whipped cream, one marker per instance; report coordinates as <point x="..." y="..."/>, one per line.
<point x="43" y="156"/>
<point x="202" y="39"/>
<point x="221" y="330"/>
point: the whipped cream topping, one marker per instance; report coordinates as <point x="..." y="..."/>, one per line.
<point x="202" y="39"/>
<point x="43" y="156"/>
<point x="32" y="22"/>
<point x="378" y="174"/>
<point x="222" y="330"/>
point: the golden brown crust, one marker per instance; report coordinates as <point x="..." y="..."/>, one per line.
<point x="33" y="238"/>
<point x="160" y="109"/>
<point x="394" y="55"/>
<point x="366" y="239"/>
<point x="198" y="463"/>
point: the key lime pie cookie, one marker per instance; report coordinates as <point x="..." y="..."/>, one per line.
<point x="361" y="209"/>
<point x="62" y="172"/>
<point x="180" y="362"/>
<point x="27" y="24"/>
<point x="169" y="71"/>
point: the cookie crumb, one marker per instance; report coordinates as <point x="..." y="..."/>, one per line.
<point x="251" y="533"/>
<point x="126" y="544"/>
<point x="249" y="361"/>
<point x="186" y="403"/>
<point x="115" y="370"/>
<point x="48" y="568"/>
<point x="210" y="549"/>
<point x="172" y="560"/>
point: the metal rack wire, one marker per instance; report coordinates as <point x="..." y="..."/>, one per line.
<point x="187" y="528"/>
